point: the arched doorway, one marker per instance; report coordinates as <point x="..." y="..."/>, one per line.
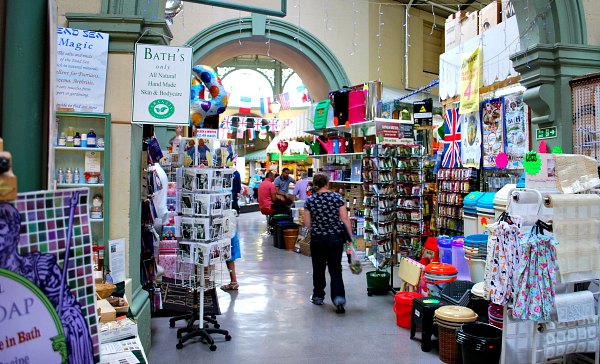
<point x="300" y="50"/>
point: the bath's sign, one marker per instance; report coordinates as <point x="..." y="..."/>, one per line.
<point x="161" y="86"/>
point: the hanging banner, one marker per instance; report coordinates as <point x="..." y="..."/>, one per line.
<point x="470" y="81"/>
<point x="517" y="129"/>
<point x="471" y="140"/>
<point x="81" y="58"/>
<point x="161" y="85"/>
<point x="492" y="123"/>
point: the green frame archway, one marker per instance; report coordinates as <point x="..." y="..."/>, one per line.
<point x="314" y="62"/>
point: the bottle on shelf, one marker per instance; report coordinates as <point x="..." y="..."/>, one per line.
<point x="70" y="136"/>
<point x="84" y="140"/>
<point x="76" y="176"/>
<point x="60" y="175"/>
<point x="91" y="139"/>
<point x="77" y="140"/>
<point x="62" y="140"/>
<point x="68" y="176"/>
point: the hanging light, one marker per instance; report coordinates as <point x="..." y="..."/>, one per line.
<point x="275" y="107"/>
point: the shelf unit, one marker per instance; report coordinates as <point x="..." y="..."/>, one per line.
<point x="409" y="217"/>
<point x="378" y="170"/>
<point x="453" y="185"/>
<point x="74" y="157"/>
<point x="337" y="155"/>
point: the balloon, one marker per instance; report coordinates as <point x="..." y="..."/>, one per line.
<point x="200" y="108"/>
<point x="282" y="146"/>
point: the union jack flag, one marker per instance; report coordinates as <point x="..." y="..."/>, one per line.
<point x="284" y="100"/>
<point x="226" y="123"/>
<point x="452" y="139"/>
<point x="274" y="125"/>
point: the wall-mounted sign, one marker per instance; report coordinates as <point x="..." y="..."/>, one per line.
<point x="423" y="112"/>
<point x="81" y="58"/>
<point x="393" y="132"/>
<point x="546" y="133"/>
<point x="161" y="85"/>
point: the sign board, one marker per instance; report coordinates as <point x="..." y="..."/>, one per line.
<point x="423" y="112"/>
<point x="393" y="132"/>
<point x="81" y="58"/>
<point x="161" y="85"/>
<point x="546" y="133"/>
<point x="207" y="133"/>
<point x="470" y="81"/>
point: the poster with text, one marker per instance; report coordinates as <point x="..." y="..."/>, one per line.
<point x="471" y="140"/>
<point x="492" y="123"/>
<point x="81" y="59"/>
<point x="470" y="81"/>
<point x="517" y="129"/>
<point x="161" y="85"/>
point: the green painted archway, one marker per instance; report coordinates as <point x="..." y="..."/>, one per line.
<point x="314" y="62"/>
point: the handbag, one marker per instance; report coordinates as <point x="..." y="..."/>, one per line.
<point x="356" y="106"/>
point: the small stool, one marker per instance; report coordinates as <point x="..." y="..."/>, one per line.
<point x="422" y="316"/>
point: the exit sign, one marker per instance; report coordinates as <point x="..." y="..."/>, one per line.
<point x="546" y="133"/>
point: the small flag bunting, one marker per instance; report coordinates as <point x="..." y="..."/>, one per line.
<point x="245" y="105"/>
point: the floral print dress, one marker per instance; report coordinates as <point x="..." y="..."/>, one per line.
<point x="536" y="280"/>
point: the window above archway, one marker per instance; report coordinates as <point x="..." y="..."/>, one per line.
<point x="259" y="77"/>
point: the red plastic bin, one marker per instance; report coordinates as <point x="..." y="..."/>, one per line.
<point x="403" y="307"/>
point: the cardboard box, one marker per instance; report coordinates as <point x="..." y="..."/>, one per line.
<point x="451" y="34"/>
<point x="508" y="9"/>
<point x="469" y="26"/>
<point x="106" y="312"/>
<point x="490" y="16"/>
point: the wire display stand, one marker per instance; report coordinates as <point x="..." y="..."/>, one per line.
<point x="205" y="227"/>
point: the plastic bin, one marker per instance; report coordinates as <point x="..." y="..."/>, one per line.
<point x="403" y="302"/>
<point x="485" y="211"/>
<point x="470" y="212"/>
<point x="477" y="269"/>
<point x="480" y="343"/>
<point x="378" y="282"/>
<point x="459" y="260"/>
<point x="445" y="249"/>
<point x="501" y="199"/>
<point x="280" y="227"/>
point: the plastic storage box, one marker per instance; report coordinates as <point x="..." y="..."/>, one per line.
<point x="501" y="199"/>
<point x="470" y="212"/>
<point x="485" y="211"/>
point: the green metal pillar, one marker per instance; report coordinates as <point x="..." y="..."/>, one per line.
<point x="553" y="51"/>
<point x="25" y="84"/>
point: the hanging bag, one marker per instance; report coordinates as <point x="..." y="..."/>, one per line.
<point x="356" y="106"/>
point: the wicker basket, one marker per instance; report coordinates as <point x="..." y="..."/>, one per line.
<point x="104" y="290"/>
<point x="305" y="248"/>
<point x="449" y="349"/>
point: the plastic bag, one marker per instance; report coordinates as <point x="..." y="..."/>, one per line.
<point x="353" y="260"/>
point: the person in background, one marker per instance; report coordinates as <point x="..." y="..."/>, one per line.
<point x="284" y="198"/>
<point x="255" y="182"/>
<point x="267" y="195"/>
<point x="301" y="187"/>
<point x="236" y="253"/>
<point x="327" y="218"/>
<point x="236" y="190"/>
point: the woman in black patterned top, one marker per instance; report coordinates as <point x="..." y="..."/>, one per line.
<point x="328" y="220"/>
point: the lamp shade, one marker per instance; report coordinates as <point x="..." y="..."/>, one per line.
<point x="275" y="107"/>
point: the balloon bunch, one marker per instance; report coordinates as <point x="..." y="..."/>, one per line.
<point x="200" y="108"/>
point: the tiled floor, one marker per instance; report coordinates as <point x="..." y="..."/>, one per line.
<point x="272" y="321"/>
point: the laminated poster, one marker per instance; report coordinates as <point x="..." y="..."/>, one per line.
<point x="493" y="131"/>
<point x="471" y="140"/>
<point x="517" y="130"/>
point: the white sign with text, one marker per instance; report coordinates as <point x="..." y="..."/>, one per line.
<point x="161" y="84"/>
<point x="81" y="59"/>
